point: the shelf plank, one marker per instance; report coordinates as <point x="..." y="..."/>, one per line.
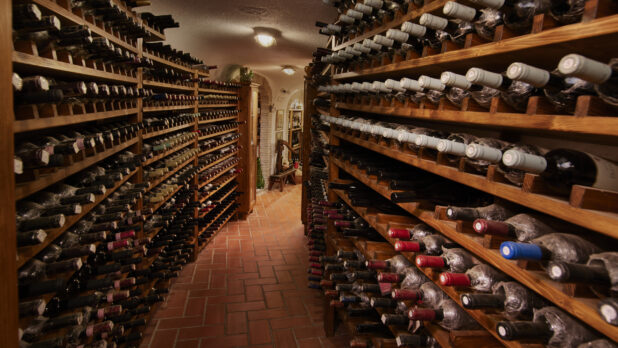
<point x="591" y="37"/>
<point x="50" y="122"/>
<point x="225" y="182"/>
<point x="214" y="106"/>
<point x="167" y="130"/>
<point x="25" y="189"/>
<point x="602" y="222"/>
<point x="217" y="148"/>
<point x="26" y="253"/>
<point x="167" y="62"/>
<point x="204" y="183"/>
<point x="210" y="165"/>
<point x="201" y="247"/>
<point x="24" y="61"/>
<point x="216" y="91"/>
<point x="218" y="120"/>
<point x="583" y="309"/>
<point x="149" y="83"/>
<point x="160" y="204"/>
<point x="217" y="134"/>
<point x="69" y="16"/>
<point x="594" y="125"/>
<point x="167" y="108"/>
<point x="168" y="175"/>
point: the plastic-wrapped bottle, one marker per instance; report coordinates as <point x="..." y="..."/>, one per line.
<point x="511" y="298"/>
<point x="553" y="246"/>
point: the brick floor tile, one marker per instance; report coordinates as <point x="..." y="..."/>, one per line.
<point x="261" y="281"/>
<point x="236" y="323"/>
<point x="283" y="276"/>
<point x="284" y="338"/>
<point x="173" y="312"/>
<point x="246" y="306"/>
<point x="266" y="272"/>
<point x="164" y="338"/>
<point x="276" y="287"/>
<point x="176" y="323"/>
<point x="226" y="299"/>
<point x="200" y="331"/>
<point x="274" y="299"/>
<point x="259" y="332"/>
<point x="188" y="344"/>
<point x="309" y="342"/>
<point x="235" y="286"/>
<point x="226" y="341"/>
<point x="195" y="306"/>
<point x="254" y="293"/>
<point x="284" y="323"/>
<point x="268" y="314"/>
<point x="217" y="281"/>
<point x="207" y="292"/>
<point x="309" y="331"/>
<point x="215" y="314"/>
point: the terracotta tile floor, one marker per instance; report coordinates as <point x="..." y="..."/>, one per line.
<point x="248" y="288"/>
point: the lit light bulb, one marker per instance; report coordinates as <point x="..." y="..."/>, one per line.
<point x="265" y="40"/>
<point x="288" y="71"/>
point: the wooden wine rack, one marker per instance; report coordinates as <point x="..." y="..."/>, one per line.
<point x="22" y="121"/>
<point x="596" y="210"/>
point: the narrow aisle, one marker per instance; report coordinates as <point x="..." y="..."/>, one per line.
<point x="248" y="287"/>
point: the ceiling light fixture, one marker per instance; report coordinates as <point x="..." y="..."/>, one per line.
<point x="288" y="70"/>
<point x="266" y="37"/>
<point x="265" y="40"/>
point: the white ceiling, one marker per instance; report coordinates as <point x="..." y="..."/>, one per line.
<point x="221" y="31"/>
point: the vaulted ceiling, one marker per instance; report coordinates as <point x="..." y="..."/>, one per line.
<point x="221" y="31"/>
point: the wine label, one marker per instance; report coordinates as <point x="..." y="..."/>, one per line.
<point x="482" y="152"/>
<point x="529" y="74"/>
<point x="455" y="80"/>
<point x="524" y="161"/>
<point x="484" y="77"/>
<point x="413" y="29"/>
<point x="397" y="35"/>
<point x="431" y="83"/>
<point x="460" y="11"/>
<point x="607" y="174"/>
<point x="585" y="68"/>
<point x="451" y="147"/>
<point x="433" y="22"/>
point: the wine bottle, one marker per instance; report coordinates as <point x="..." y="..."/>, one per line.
<point x="562" y="168"/>
<point x="603" y="76"/>
<point x="553" y="246"/>
<point x="608" y="309"/>
<point x="492" y="212"/>
<point x="445" y="29"/>
<point x="448" y="315"/>
<point x="428" y="293"/>
<point x="595" y="272"/>
<point x="512" y="15"/>
<point x="523" y="227"/>
<point x="484" y="21"/>
<point x="514" y="93"/>
<point x="456" y="259"/>
<point x="458" y="88"/>
<point x="511" y="298"/>
<point x="480" y="277"/>
<point x="430" y="245"/>
<point x="549" y="326"/>
<point x="483" y="152"/>
<point x="455" y="145"/>
<point x="561" y="92"/>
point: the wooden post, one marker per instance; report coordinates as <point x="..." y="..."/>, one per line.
<point x="8" y="290"/>
<point x="248" y="99"/>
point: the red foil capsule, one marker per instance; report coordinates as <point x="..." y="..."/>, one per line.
<point x="430" y="261"/>
<point x="399" y="233"/>
<point x="331" y="293"/>
<point x="314" y="259"/>
<point x="317" y="272"/>
<point x="315" y="265"/>
<point x="118" y="244"/>
<point x="377" y="264"/>
<point x="124" y="235"/>
<point x="454" y="279"/>
<point x="422" y="314"/>
<point x="340" y="223"/>
<point x="407" y="246"/>
<point x="389" y="278"/>
<point x="336" y="304"/>
<point x="497" y="228"/>
<point x="315" y="253"/>
<point x="404" y="294"/>
<point x="326" y="283"/>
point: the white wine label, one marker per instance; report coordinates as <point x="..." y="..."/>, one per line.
<point x="431" y="83"/>
<point x="410" y="84"/>
<point x="482" y="152"/>
<point x="484" y="77"/>
<point x="524" y="161"/>
<point x="455" y="80"/>
<point x="433" y="22"/>
<point x="529" y="74"/>
<point x="460" y="11"/>
<point x="607" y="174"/>
<point x="397" y="35"/>
<point x="413" y="29"/>
<point x="585" y="68"/>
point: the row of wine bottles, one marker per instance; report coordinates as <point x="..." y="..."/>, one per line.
<point x="575" y="75"/>
<point x="352" y="285"/>
<point x="217" y="99"/>
<point x="561" y="168"/>
<point x="463" y="20"/>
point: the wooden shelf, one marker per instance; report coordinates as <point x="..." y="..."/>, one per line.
<point x="201" y="247"/>
<point x="216" y="91"/>
<point x="160" y="204"/>
<point x="217" y="148"/>
<point x="203" y="229"/>
<point x="221" y="200"/>
<point x="167" y="62"/>
<point x="204" y="183"/>
<point x="27" y="188"/>
<point x="168" y="152"/>
<point x="380" y="223"/>
<point x="59" y="121"/>
<point x="155" y="84"/>
<point x="34" y="64"/>
<point x="595" y="125"/>
<point x="217" y="134"/>
<point x="210" y="165"/>
<point x="214" y="106"/>
<point x="218" y="120"/>
<point x="582" y="308"/>
<point x="412" y="14"/>
<point x="590" y="37"/>
<point x="167" y="108"/>
<point x="154" y="35"/>
<point x="169" y="174"/>
<point x="225" y="182"/>
<point x="603" y="222"/>
<point x="26" y="253"/>
<point x="167" y="130"/>
<point x="65" y="14"/>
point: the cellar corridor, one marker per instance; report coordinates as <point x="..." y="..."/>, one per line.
<point x="248" y="287"/>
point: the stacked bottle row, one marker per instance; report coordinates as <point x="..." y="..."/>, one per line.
<point x="218" y="85"/>
<point x="455" y="22"/>
<point x="168" y="53"/>
<point x="526" y="316"/>
<point x="513" y="159"/>
<point x="216" y="99"/>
